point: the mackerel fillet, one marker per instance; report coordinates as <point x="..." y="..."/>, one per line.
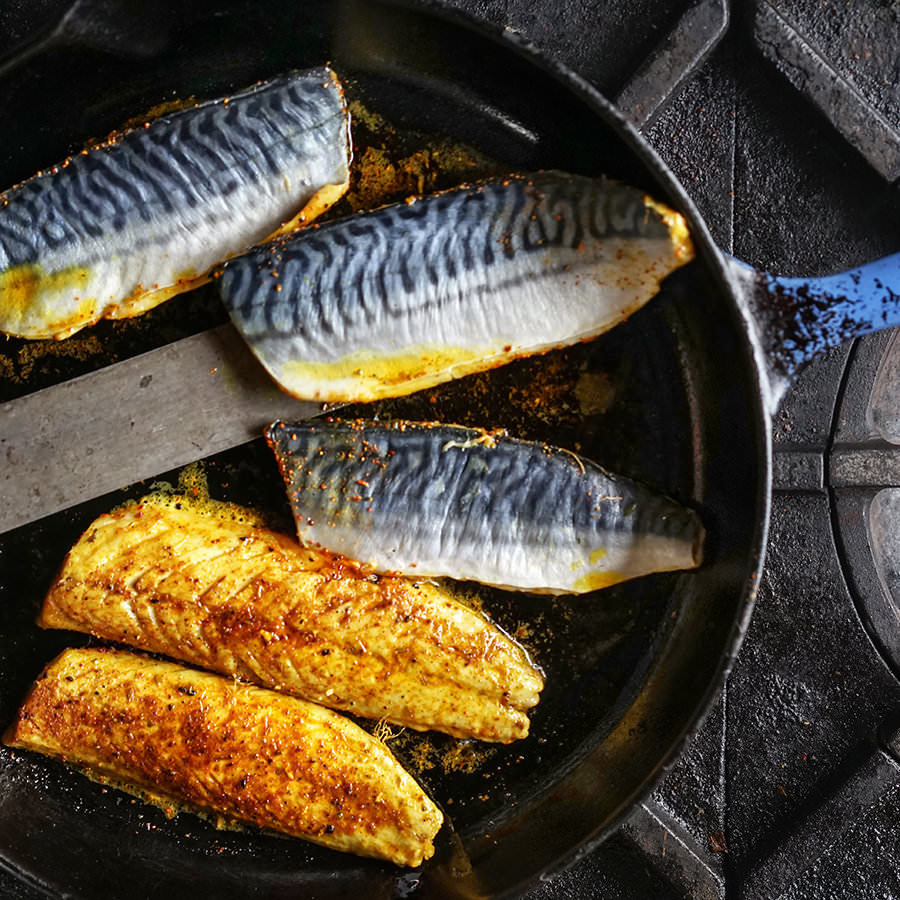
<point x="249" y="754"/>
<point x="465" y="503"/>
<point x="121" y="227"/>
<point x="217" y="591"/>
<point x="405" y="297"/>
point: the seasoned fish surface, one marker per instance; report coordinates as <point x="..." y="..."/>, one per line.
<point x="227" y="595"/>
<point x="119" y="228"/>
<point x="250" y="754"/>
<point x="388" y="302"/>
<point x="445" y="500"/>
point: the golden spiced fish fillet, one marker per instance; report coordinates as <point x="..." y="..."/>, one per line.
<point x="251" y="754"/>
<point x="223" y="593"/>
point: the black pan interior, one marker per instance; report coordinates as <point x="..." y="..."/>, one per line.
<point x="671" y="398"/>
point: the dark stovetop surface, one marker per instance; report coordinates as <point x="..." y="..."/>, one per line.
<point x="790" y="787"/>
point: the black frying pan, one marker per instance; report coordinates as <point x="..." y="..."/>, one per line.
<point x="631" y="670"/>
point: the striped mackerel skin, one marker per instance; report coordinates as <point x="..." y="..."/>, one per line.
<point x="117" y="229"/>
<point x="411" y="295"/>
<point x="441" y="500"/>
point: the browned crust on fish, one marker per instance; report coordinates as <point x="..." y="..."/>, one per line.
<point x="250" y="754"/>
<point x="224" y="594"/>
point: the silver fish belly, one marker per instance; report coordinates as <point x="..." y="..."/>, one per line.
<point x="440" y="500"/>
<point x="405" y="297"/>
<point x="119" y="228"/>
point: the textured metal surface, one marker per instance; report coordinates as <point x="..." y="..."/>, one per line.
<point x="808" y="687"/>
<point x="862" y="465"/>
<point x="870" y="784"/>
<point x="843" y="58"/>
<point x="606" y="41"/>
<point x="672" y="62"/>
<point x="161" y="409"/>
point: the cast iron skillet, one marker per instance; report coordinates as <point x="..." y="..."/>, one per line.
<point x="630" y="671"/>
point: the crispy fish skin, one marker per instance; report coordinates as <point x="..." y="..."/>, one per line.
<point x="443" y="500"/>
<point x="405" y="297"/>
<point x="121" y="227"/>
<point x="239" y="599"/>
<point x="251" y="754"/>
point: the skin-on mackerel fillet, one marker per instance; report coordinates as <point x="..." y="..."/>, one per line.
<point x="442" y="500"/>
<point x="123" y="226"/>
<point x="250" y="754"/>
<point x="402" y="298"/>
<point x="220" y="592"/>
